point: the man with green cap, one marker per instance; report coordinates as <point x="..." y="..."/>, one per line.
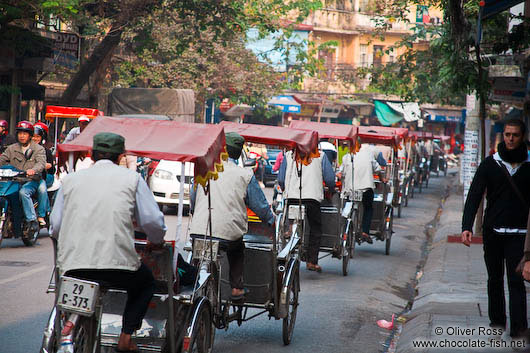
<point x="231" y="194"/>
<point x="93" y="221"/>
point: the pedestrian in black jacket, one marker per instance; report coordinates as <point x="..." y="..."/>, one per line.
<point x="505" y="222"/>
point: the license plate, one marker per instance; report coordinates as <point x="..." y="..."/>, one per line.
<point x="204" y="248"/>
<point x="78" y="296"/>
<point x="357" y="195"/>
<point x="294" y="212"/>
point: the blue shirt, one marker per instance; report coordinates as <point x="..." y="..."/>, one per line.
<point x="255" y="199"/>
<point x="328" y="175"/>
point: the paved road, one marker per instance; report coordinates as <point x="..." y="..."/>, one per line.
<point x="336" y="313"/>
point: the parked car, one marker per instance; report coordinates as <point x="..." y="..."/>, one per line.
<point x="270" y="175"/>
<point x="165" y="183"/>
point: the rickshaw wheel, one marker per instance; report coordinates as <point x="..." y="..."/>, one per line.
<point x="2" y="231"/>
<point x="388" y="233"/>
<point x="201" y="340"/>
<point x="345" y="258"/>
<point x="292" y="299"/>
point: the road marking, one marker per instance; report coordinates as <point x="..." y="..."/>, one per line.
<point x="23" y="274"/>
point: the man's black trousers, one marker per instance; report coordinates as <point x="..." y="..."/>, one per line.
<point x="368" y="210"/>
<point x="235" y="254"/>
<point x="140" y="287"/>
<point x="500" y="252"/>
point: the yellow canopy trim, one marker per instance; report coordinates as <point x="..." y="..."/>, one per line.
<point x="212" y="174"/>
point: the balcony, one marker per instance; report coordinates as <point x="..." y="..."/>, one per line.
<point x="349" y="22"/>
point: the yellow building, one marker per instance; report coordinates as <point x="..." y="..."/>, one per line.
<point x="353" y="25"/>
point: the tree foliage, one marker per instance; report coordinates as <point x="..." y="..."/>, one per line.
<point x="448" y="69"/>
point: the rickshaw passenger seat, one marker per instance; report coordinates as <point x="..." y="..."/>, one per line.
<point x="256" y="239"/>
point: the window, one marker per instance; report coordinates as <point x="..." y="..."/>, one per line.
<point x="364" y="55"/>
<point x="378" y="55"/>
<point x="422" y="14"/>
<point x="328" y="59"/>
<point x="364" y="5"/>
<point x="392" y="58"/>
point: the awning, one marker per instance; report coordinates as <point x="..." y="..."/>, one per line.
<point x="201" y="144"/>
<point x="385" y="114"/>
<point x="55" y="111"/>
<point x="330" y="110"/>
<point x="444" y="115"/>
<point x="410" y="111"/>
<point x="238" y="110"/>
<point x="286" y="103"/>
<point x="361" y="108"/>
<point x="304" y="142"/>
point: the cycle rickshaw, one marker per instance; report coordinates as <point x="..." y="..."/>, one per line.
<point x="423" y="163"/>
<point x="179" y="319"/>
<point x="401" y="184"/>
<point x="337" y="237"/>
<point x="271" y="273"/>
<point x="383" y="211"/>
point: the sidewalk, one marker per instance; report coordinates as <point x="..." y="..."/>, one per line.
<point x="451" y="294"/>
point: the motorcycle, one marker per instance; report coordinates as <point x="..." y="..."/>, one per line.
<point x="11" y="180"/>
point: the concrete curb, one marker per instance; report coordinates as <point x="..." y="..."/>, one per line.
<point x="452" y="287"/>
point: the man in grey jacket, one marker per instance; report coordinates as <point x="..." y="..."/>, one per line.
<point x="93" y="220"/>
<point x="30" y="157"/>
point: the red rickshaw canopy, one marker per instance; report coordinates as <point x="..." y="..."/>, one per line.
<point x="422" y="135"/>
<point x="201" y="144"/>
<point x="303" y="142"/>
<point x="442" y="137"/>
<point x="328" y="130"/>
<point x="377" y="135"/>
<point x="402" y="132"/>
<point x="55" y="111"/>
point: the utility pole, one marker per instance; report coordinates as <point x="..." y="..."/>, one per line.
<point x="471" y="157"/>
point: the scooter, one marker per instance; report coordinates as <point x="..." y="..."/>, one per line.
<point x="11" y="180"/>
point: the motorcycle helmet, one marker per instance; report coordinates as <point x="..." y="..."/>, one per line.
<point x="41" y="129"/>
<point x="25" y="126"/>
<point x="4" y="124"/>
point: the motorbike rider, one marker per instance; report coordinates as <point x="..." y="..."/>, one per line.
<point x="313" y="175"/>
<point x="40" y="134"/>
<point x="93" y="220"/>
<point x="235" y="189"/>
<point x="6" y="138"/>
<point x="28" y="156"/>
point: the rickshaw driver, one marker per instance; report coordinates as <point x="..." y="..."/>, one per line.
<point x="234" y="190"/>
<point x="319" y="171"/>
<point x="365" y="164"/>
<point x="93" y="220"/>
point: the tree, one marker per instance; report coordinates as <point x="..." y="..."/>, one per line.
<point x="212" y="69"/>
<point x="450" y="67"/>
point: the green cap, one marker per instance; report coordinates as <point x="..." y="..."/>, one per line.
<point x="109" y="142"/>
<point x="235" y="140"/>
